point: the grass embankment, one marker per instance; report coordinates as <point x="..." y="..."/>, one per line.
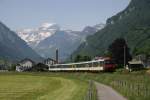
<point x="38" y="86"/>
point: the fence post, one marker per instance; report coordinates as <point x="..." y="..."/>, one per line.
<point x="89" y="94"/>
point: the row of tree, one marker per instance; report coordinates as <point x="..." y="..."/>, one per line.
<point x="40" y="67"/>
<point x="118" y="51"/>
<point x="80" y="58"/>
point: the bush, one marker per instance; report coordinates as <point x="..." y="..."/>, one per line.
<point x="40" y="67"/>
<point x="13" y="67"/>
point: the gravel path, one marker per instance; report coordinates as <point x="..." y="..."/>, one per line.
<point x="107" y="93"/>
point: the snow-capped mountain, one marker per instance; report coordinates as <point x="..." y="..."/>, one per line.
<point x="65" y="41"/>
<point x="45" y="39"/>
<point x="34" y="36"/>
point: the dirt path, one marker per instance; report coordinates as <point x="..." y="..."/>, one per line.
<point x="107" y="93"/>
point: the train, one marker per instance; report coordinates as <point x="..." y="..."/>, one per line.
<point x="104" y="64"/>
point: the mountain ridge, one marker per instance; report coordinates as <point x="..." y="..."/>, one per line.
<point x="132" y="24"/>
<point x="13" y="47"/>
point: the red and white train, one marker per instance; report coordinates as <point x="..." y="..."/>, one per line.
<point x="103" y="64"/>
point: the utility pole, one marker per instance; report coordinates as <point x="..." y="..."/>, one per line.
<point x="124" y="56"/>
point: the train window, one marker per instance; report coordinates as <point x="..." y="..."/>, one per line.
<point x="52" y="66"/>
<point x="74" y="66"/>
<point x="59" y="66"/>
<point x="95" y="64"/>
<point x="90" y="64"/>
<point x="79" y="65"/>
<point x="87" y="65"/>
<point x="101" y="63"/>
<point x="83" y="65"/>
<point x="63" y="66"/>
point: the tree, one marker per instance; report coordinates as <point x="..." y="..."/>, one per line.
<point x="39" y="67"/>
<point x="86" y="58"/>
<point x="80" y="58"/>
<point x="135" y="51"/>
<point x="119" y="50"/>
<point x="107" y="54"/>
<point x="13" y="67"/>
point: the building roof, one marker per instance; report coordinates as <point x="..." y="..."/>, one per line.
<point x="26" y="59"/>
<point x="135" y="62"/>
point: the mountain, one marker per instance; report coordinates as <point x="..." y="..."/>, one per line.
<point x="89" y="30"/>
<point x="13" y="47"/>
<point x="133" y="24"/>
<point x="34" y="36"/>
<point x="65" y="40"/>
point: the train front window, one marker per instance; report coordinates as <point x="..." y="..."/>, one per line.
<point x="109" y="62"/>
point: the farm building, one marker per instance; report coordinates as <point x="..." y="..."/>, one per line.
<point x="24" y="65"/>
<point x="49" y="62"/>
<point x="148" y="63"/>
<point x="145" y="59"/>
<point x="135" y="65"/>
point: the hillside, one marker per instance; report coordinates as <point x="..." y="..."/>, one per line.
<point x="133" y="24"/>
<point x="14" y="48"/>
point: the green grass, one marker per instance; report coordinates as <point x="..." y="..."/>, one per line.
<point x="71" y="86"/>
<point x="40" y="86"/>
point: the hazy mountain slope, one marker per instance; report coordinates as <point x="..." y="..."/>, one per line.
<point x="66" y="41"/>
<point x="133" y="24"/>
<point x="14" y="48"/>
<point x="45" y="39"/>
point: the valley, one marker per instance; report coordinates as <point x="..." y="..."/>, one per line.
<point x="74" y="50"/>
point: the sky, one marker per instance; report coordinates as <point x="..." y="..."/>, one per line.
<point x="69" y="14"/>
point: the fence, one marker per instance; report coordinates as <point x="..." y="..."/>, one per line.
<point x="91" y="93"/>
<point x="137" y="89"/>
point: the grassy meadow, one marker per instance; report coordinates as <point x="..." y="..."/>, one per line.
<point x="71" y="86"/>
<point x="37" y="86"/>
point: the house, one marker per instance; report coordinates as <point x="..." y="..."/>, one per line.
<point x="145" y="59"/>
<point x="148" y="62"/>
<point x="3" y="68"/>
<point x="24" y="65"/>
<point x="49" y="62"/>
<point x="135" y="65"/>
